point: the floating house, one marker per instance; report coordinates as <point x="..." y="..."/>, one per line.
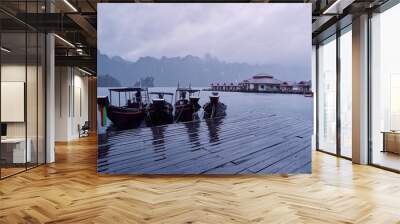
<point x="287" y="87"/>
<point x="262" y="83"/>
<point x="303" y="87"/>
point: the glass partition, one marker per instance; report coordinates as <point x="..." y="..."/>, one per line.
<point x="327" y="95"/>
<point x="13" y="94"/>
<point x="346" y="93"/>
<point x="22" y="77"/>
<point x="31" y="97"/>
<point x="385" y="89"/>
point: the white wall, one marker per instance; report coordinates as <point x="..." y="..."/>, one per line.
<point x="62" y="81"/>
<point x="33" y="126"/>
<point x="14" y="73"/>
<point x="71" y="102"/>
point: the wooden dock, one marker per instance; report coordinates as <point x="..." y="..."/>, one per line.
<point x="249" y="144"/>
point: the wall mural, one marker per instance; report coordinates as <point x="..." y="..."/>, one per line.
<point x="204" y="88"/>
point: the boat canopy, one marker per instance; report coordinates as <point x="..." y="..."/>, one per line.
<point x="129" y="89"/>
<point x="162" y="93"/>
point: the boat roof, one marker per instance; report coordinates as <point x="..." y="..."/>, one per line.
<point x="127" y="89"/>
<point x="163" y="93"/>
<point x="187" y="90"/>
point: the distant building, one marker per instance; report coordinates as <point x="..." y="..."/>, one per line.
<point x="216" y="87"/>
<point x="302" y="87"/>
<point x="225" y="87"/>
<point x="286" y="87"/>
<point x="262" y="83"/>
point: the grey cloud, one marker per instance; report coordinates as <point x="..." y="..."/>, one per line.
<point x="251" y="33"/>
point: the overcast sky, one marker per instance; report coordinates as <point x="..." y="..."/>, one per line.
<point x="252" y="33"/>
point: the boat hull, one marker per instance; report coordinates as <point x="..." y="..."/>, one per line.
<point x="214" y="110"/>
<point x="186" y="112"/>
<point x="125" y="118"/>
<point x="157" y="115"/>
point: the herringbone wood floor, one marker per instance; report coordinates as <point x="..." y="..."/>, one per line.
<point x="70" y="191"/>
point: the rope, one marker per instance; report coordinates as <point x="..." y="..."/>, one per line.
<point x="177" y="118"/>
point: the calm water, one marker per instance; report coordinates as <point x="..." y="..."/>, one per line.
<point x="292" y="105"/>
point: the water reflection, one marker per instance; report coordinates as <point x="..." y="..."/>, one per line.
<point x="213" y="126"/>
<point x="158" y="138"/>
<point x="193" y="131"/>
<point x="112" y="127"/>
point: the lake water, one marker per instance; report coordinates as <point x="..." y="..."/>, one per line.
<point x="291" y="105"/>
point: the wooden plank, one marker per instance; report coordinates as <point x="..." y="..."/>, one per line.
<point x="220" y="147"/>
<point x="234" y="145"/>
<point x="175" y="128"/>
<point x="201" y="165"/>
<point x="286" y="153"/>
<point x="290" y="163"/>
<point x="251" y="160"/>
<point x="147" y="133"/>
<point x="230" y="136"/>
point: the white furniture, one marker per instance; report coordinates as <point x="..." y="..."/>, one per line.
<point x="18" y="151"/>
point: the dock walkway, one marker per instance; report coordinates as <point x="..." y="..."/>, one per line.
<point x="249" y="144"/>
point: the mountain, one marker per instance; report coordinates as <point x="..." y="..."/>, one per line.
<point x="145" y="82"/>
<point x="107" y="81"/>
<point x="197" y="71"/>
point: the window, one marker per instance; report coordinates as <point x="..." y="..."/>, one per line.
<point x="327" y="95"/>
<point x="346" y="93"/>
<point x="385" y="89"/>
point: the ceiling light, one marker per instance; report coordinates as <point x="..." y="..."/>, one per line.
<point x="84" y="71"/>
<point x="65" y="41"/>
<point x="331" y="7"/>
<point x="79" y="51"/>
<point x="70" y="5"/>
<point x="338" y="6"/>
<point x="5" y="50"/>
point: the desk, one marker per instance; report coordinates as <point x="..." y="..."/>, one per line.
<point x="15" y="148"/>
<point x="391" y="141"/>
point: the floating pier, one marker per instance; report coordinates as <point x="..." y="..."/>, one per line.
<point x="247" y="144"/>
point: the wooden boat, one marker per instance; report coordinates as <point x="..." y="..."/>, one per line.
<point x="214" y="108"/>
<point x="159" y="111"/>
<point x="186" y="104"/>
<point x="127" y="115"/>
